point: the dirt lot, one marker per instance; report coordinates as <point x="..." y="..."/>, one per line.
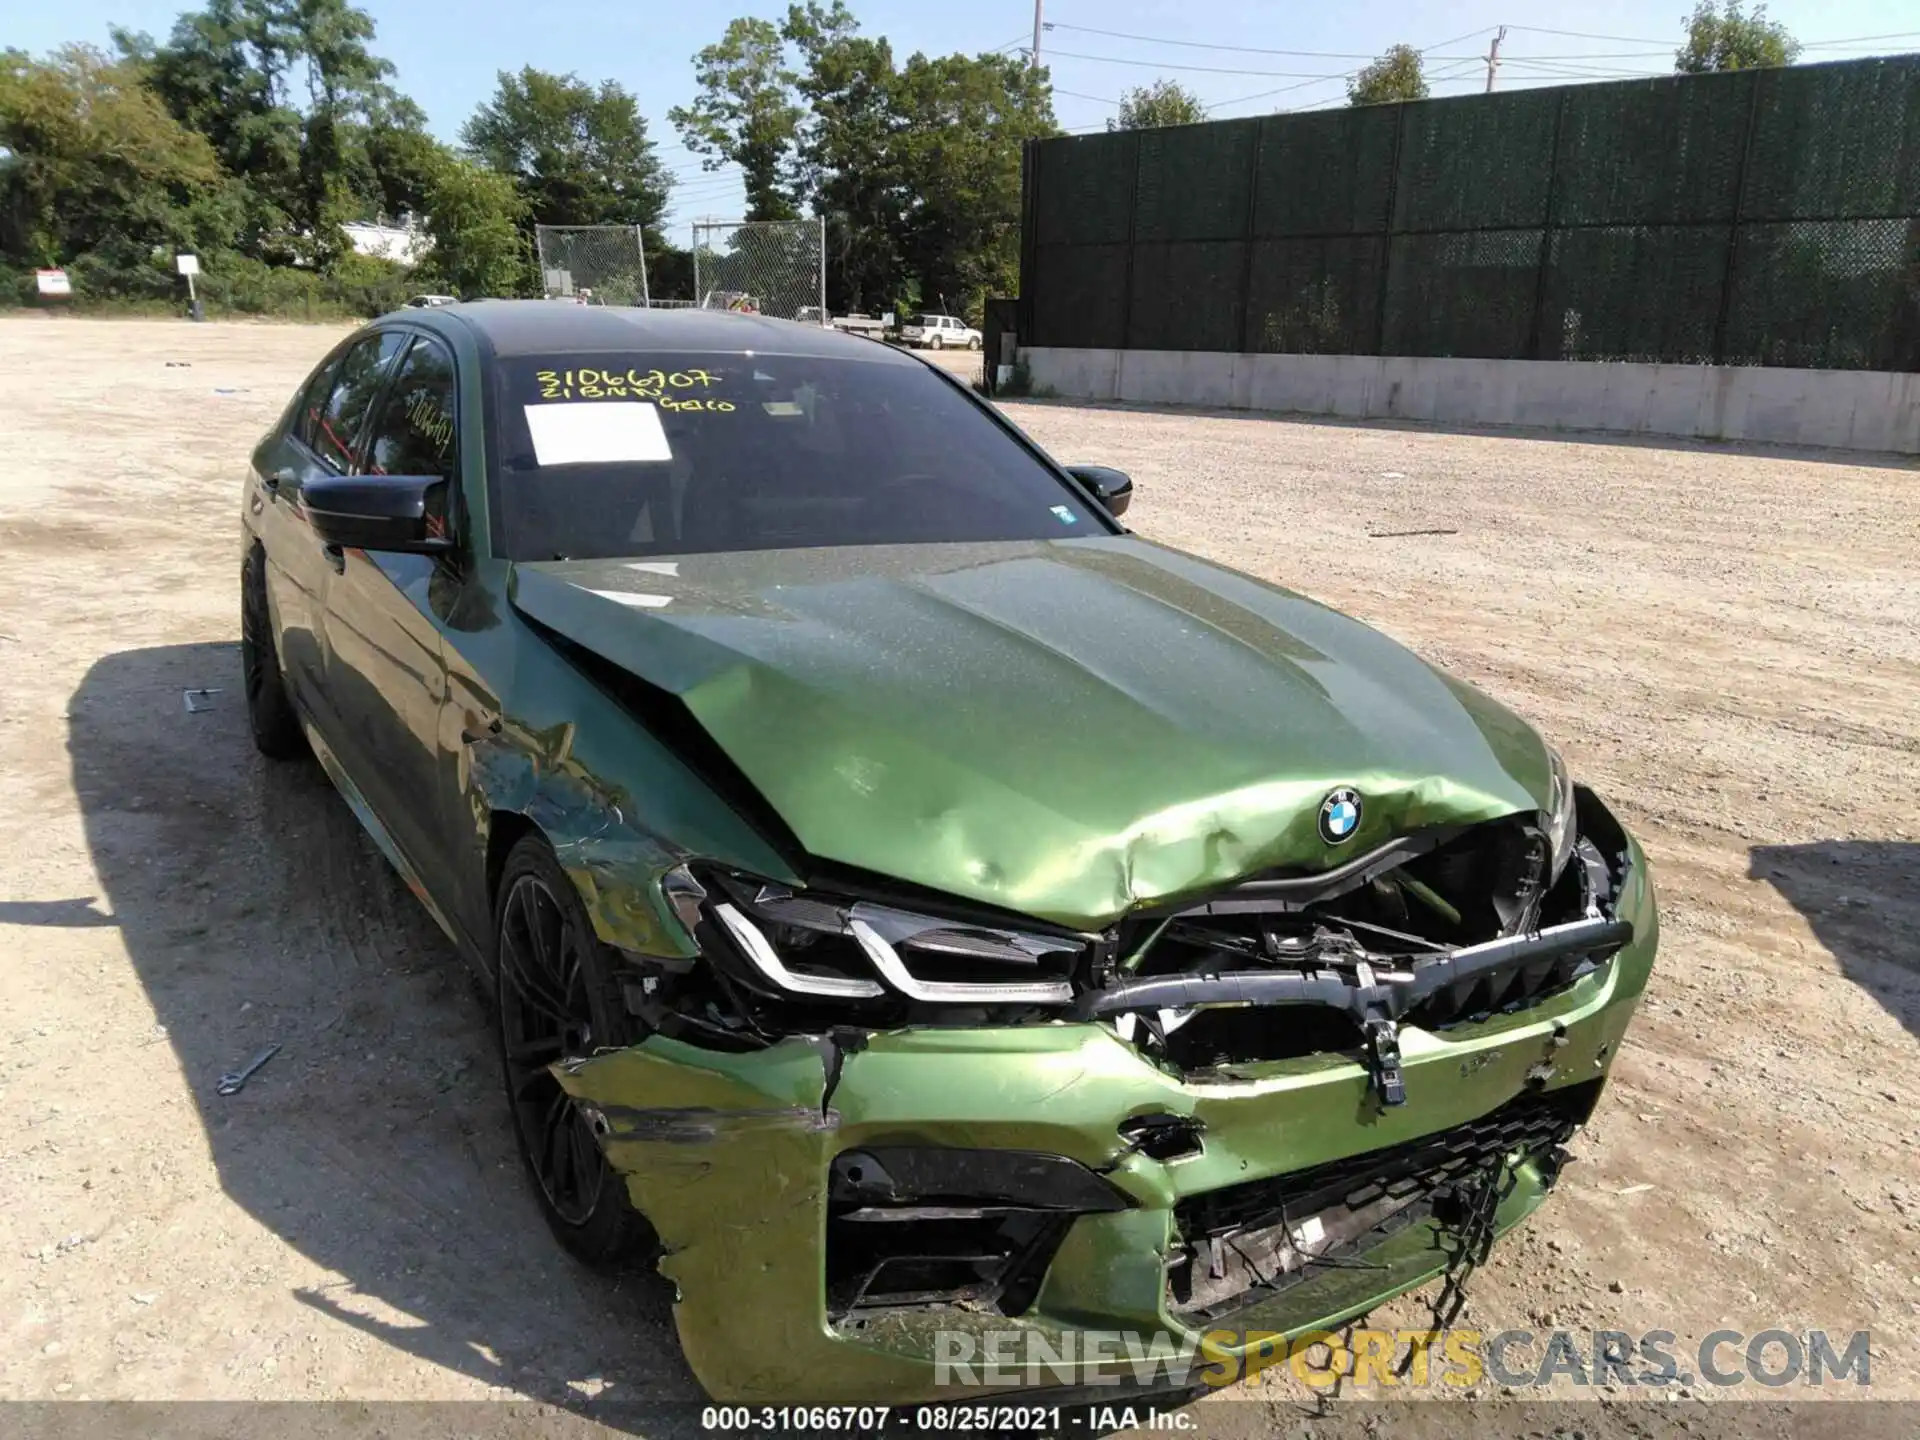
<point x="1727" y="644"/>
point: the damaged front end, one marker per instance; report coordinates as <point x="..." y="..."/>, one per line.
<point x="868" y="1118"/>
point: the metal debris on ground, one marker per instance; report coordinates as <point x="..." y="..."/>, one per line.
<point x="1396" y="534"/>
<point x="234" y="1081"/>
<point x="197" y="701"/>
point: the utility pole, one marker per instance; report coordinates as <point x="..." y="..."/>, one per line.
<point x="1036" y="33"/>
<point x="1493" y="56"/>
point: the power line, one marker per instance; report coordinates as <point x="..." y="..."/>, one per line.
<point x="1579" y="73"/>
<point x="1097" y="99"/>
<point x="695" y="192"/>
<point x="718" y="182"/>
<point x="1667" y="49"/>
<point x="1606" y="55"/>
<point x="1583" y="35"/>
<point x="1282" y="90"/>
<point x="696" y="169"/>
<point x="1203" y="69"/>
<point x="1861" y="40"/>
<point x="1301" y="85"/>
<point x="1203" y="44"/>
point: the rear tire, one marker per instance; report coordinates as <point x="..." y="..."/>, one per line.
<point x="936" y="343"/>
<point x="276" y="729"/>
<point x="555" y="997"/>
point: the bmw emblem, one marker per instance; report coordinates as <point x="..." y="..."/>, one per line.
<point x="1339" y="816"/>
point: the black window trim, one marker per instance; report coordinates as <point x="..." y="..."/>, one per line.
<point x="359" y="337"/>
<point x="1071" y="482"/>
<point x="327" y="370"/>
<point x="456" y="497"/>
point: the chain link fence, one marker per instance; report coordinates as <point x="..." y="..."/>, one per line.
<point x="1765" y="217"/>
<point x="602" y="264"/>
<point x="766" y="267"/>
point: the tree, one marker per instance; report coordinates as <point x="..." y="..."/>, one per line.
<point x="346" y="84"/>
<point x="1165" y="102"/>
<point x="476" y="219"/>
<point x="95" y="159"/>
<point x="1396" y="75"/>
<point x="915" y="168"/>
<point x="406" y="160"/>
<point x="235" y="72"/>
<point x="221" y="74"/>
<point x="849" y="154"/>
<point x="1732" y="39"/>
<point x="963" y="122"/>
<point x="579" y="153"/>
<point x="746" y="113"/>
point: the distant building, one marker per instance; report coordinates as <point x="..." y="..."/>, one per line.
<point x="386" y="242"/>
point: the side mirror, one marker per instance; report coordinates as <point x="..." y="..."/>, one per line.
<point x="1110" y="487"/>
<point x="377" y="512"/>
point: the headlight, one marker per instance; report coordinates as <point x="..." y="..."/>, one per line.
<point x="831" y="948"/>
<point x="1561" y="832"/>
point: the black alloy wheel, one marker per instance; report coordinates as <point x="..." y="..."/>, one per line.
<point x="276" y="729"/>
<point x="555" y="1002"/>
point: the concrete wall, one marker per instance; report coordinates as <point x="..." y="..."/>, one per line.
<point x="1844" y="409"/>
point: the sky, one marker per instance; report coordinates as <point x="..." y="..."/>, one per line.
<point x="1242" y="57"/>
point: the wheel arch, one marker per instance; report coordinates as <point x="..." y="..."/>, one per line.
<point x="505" y="829"/>
<point x="615" y="877"/>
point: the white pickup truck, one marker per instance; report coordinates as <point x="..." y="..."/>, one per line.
<point x="873" y="328"/>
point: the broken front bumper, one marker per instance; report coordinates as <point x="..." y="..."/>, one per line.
<point x="732" y="1157"/>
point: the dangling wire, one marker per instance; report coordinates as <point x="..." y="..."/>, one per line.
<point x="1470" y="1239"/>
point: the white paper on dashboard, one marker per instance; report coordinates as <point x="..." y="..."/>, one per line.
<point x="597" y="432"/>
<point x="634" y="598"/>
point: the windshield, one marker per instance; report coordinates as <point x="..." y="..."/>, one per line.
<point x="640" y="455"/>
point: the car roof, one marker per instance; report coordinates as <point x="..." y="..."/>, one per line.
<point x="550" y="327"/>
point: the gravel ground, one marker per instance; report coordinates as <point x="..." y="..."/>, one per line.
<point x="1725" y="643"/>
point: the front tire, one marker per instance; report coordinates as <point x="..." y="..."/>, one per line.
<point x="276" y="729"/>
<point x="556" y="997"/>
<point x="974" y="343"/>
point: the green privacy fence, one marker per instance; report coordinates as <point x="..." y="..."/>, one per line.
<point x="1753" y="218"/>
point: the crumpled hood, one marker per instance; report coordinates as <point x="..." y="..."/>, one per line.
<point x="1068" y="729"/>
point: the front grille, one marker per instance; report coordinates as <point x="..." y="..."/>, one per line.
<point x="1240" y="1243"/>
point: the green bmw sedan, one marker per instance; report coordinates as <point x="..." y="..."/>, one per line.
<point x="916" y="906"/>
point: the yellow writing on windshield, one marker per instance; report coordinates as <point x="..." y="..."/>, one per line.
<point x="594" y="384"/>
<point x="426" y="414"/>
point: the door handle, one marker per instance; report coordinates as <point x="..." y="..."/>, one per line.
<point x="336" y="557"/>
